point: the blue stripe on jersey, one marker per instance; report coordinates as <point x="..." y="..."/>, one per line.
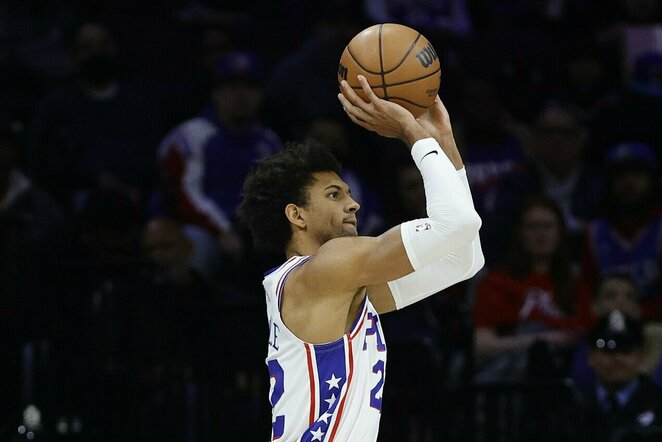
<point x="331" y="377"/>
<point x="273" y="269"/>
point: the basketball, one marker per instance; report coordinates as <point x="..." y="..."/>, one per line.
<point x="399" y="63"/>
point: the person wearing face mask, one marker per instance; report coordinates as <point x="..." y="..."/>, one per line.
<point x="98" y="131"/>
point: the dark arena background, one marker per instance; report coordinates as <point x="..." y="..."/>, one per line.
<point x="131" y="305"/>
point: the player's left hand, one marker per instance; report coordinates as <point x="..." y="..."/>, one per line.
<point x="384" y="117"/>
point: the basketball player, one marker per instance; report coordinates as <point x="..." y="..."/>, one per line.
<point x="326" y="351"/>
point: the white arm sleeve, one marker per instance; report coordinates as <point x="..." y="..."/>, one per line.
<point x="452" y="220"/>
<point x="450" y="269"/>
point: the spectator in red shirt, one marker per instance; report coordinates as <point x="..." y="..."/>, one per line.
<point x="532" y="305"/>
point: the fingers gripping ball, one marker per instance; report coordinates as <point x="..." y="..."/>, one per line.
<point x="399" y="63"/>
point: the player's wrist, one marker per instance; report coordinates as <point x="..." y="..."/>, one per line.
<point x="412" y="133"/>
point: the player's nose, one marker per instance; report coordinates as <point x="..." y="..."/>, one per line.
<point x="353" y="206"/>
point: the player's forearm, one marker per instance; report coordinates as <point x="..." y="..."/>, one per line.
<point x="448" y="270"/>
<point x="448" y="145"/>
<point x="452" y="221"/>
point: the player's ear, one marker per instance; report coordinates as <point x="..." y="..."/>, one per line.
<point x="294" y="215"/>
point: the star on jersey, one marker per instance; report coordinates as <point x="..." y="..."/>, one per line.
<point x="331" y="400"/>
<point x="317" y="435"/>
<point x="325" y="417"/>
<point x="333" y="382"/>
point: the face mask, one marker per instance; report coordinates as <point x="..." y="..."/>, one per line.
<point x="100" y="68"/>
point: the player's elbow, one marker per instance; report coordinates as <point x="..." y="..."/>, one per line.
<point x="477" y="264"/>
<point x="467" y="225"/>
<point x="473" y="263"/>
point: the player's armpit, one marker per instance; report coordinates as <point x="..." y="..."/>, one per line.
<point x="381" y="298"/>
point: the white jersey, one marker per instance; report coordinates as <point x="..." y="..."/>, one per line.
<point x="324" y="392"/>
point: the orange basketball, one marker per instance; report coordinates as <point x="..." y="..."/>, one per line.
<point x="399" y="63"/>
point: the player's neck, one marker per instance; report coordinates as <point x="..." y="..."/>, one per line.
<point x="301" y="245"/>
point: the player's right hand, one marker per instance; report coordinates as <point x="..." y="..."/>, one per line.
<point x="437" y="120"/>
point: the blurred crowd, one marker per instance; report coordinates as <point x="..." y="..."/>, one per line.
<point x="131" y="305"/>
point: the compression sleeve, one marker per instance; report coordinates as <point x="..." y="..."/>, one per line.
<point x="452" y="221"/>
<point x="450" y="269"/>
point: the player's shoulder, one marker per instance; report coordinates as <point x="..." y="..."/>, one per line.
<point x="341" y="252"/>
<point x="274" y="278"/>
<point x="279" y="273"/>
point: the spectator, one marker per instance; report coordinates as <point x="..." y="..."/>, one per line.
<point x="623" y="400"/>
<point x="104" y="287"/>
<point x="32" y="244"/>
<point x="619" y="291"/>
<point x="555" y="169"/>
<point x="33" y="60"/>
<point x="99" y="131"/>
<point x="183" y="256"/>
<point x="589" y="75"/>
<point x="532" y="305"/>
<point x="176" y="341"/>
<point x="632" y="114"/>
<point x="300" y="85"/>
<point x="628" y="235"/>
<point x="492" y="144"/>
<point x="203" y="161"/>
<point x="449" y="17"/>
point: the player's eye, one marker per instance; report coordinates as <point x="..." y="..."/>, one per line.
<point x="333" y="195"/>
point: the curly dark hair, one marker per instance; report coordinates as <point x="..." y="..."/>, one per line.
<point x="277" y="181"/>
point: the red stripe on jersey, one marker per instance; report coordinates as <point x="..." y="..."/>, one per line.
<point x="349" y="382"/>
<point x="311" y="379"/>
<point x="360" y="324"/>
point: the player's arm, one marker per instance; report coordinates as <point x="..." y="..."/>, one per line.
<point x="454" y="267"/>
<point x="452" y="222"/>
<point x="451" y="268"/>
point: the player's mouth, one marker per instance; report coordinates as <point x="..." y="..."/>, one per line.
<point x="351" y="221"/>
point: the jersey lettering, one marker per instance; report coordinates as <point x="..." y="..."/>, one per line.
<point x="374" y="330"/>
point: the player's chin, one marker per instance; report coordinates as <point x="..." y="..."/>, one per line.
<point x="349" y="230"/>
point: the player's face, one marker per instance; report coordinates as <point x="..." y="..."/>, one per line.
<point x="331" y="211"/>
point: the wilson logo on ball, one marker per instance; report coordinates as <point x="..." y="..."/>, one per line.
<point x="342" y="71"/>
<point x="427" y="56"/>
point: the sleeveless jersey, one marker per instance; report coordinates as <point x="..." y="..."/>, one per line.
<point x="323" y="392"/>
